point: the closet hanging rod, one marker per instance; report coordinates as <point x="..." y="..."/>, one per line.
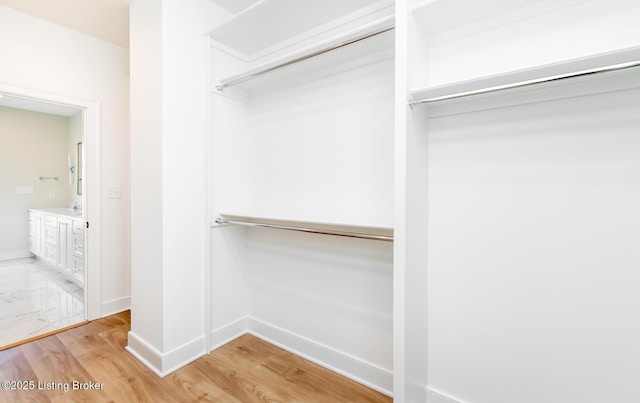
<point x="388" y="238"/>
<point x="527" y="83"/>
<point x="250" y="76"/>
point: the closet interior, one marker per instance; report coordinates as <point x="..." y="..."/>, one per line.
<point x="518" y="155"/>
<point x="425" y="195"/>
<point x="302" y="181"/>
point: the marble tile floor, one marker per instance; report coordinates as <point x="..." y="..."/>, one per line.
<point x="36" y="299"/>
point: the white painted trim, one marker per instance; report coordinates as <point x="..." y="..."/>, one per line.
<point x="164" y="364"/>
<point x="224" y="334"/>
<point x="92" y="141"/>
<point x="93" y="210"/>
<point x="207" y="292"/>
<point x="149" y="356"/>
<point x="347" y="365"/>
<point x="434" y="396"/>
<point x="399" y="203"/>
<point x="15" y="254"/>
<point x="342" y="363"/>
<point x="183" y="355"/>
<point x="115" y="306"/>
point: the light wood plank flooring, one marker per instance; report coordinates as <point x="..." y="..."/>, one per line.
<point x="245" y="370"/>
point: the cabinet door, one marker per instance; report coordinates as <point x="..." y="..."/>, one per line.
<point x="51" y="253"/>
<point x="51" y="235"/>
<point x="64" y="232"/>
<point x="50" y="238"/>
<point x="35" y="233"/>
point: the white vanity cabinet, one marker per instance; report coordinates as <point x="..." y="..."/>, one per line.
<point x="35" y="232"/>
<point x="50" y="231"/>
<point x="57" y="236"/>
<point x="76" y="250"/>
<point x="64" y="235"/>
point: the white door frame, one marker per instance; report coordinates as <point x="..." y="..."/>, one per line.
<point x="92" y="186"/>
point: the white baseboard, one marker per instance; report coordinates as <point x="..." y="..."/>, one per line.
<point x="226" y="333"/>
<point x="146" y="354"/>
<point x="434" y="396"/>
<point x="352" y="367"/>
<point x="164" y="364"/>
<point x="14" y="254"/>
<point x="115" y="306"/>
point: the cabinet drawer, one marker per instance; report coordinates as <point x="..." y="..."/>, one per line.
<point x="77" y="227"/>
<point x="51" y="253"/>
<point x="78" y="264"/>
<point x="78" y="245"/>
<point x="51" y="235"/>
<point x="78" y="269"/>
<point x="51" y="221"/>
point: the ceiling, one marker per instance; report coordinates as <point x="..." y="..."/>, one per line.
<point x="104" y="19"/>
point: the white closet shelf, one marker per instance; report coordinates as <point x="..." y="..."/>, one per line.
<point x="269" y="25"/>
<point x="350" y="231"/>
<point x="362" y="33"/>
<point x="591" y="65"/>
<point x="235" y="6"/>
<point x="441" y="16"/>
<point x="441" y="22"/>
<point x="445" y="15"/>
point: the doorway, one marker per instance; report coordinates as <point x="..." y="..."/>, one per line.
<point x="73" y="294"/>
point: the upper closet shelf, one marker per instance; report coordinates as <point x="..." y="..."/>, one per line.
<point x="335" y="43"/>
<point x="271" y="25"/>
<point x="462" y="17"/>
<point x="522" y="79"/>
<point x="235" y="6"/>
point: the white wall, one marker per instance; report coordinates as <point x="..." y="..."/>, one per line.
<point x="33" y="144"/>
<point x="533" y="259"/>
<point x="49" y="59"/>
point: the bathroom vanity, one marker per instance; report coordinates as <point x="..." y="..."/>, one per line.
<point x="57" y="236"/>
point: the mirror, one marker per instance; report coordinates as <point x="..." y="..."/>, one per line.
<point x="79" y="166"/>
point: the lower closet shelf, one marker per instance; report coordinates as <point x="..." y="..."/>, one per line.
<point x="351" y="231"/>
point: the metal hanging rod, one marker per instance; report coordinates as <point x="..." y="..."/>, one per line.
<point x="222" y="221"/>
<point x="250" y="76"/>
<point x="55" y="178"/>
<point x="522" y="84"/>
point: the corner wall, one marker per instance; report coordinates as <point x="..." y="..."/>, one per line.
<point x="169" y="229"/>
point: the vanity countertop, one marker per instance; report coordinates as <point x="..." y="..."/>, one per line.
<point x="67" y="212"/>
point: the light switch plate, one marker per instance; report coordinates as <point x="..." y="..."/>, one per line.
<point x="112" y="193"/>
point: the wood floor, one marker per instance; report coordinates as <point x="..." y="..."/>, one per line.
<point x="93" y="356"/>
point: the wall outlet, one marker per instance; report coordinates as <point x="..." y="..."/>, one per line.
<point x="112" y="193"/>
<point x="52" y="195"/>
